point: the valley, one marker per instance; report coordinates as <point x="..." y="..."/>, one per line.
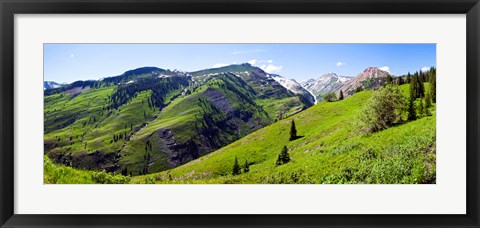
<point x="151" y="125"/>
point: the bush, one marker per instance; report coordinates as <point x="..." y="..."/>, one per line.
<point x="384" y="109"/>
<point x="108" y="178"/>
<point x="330" y="97"/>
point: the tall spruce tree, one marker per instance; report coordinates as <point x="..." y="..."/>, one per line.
<point x="283" y="157"/>
<point x="433" y="84"/>
<point x="340" y="96"/>
<point x="399" y="80"/>
<point x="428" y="104"/>
<point x="421" y="108"/>
<point x="246" y="167"/>
<point x="420" y="88"/>
<point x="412" y="115"/>
<point x="413" y="87"/>
<point x="236" y="167"/>
<point x="389" y="79"/>
<point x="293" y="131"/>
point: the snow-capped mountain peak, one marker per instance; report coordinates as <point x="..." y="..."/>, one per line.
<point x="52" y="85"/>
<point x="293" y="86"/>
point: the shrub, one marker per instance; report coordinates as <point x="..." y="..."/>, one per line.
<point x="384" y="109"/>
<point x="330" y="97"/>
<point x="108" y="178"/>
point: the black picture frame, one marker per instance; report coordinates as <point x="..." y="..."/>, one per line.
<point x="9" y="8"/>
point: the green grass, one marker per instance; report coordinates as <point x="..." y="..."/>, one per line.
<point x="60" y="174"/>
<point x="331" y="150"/>
<point x="94" y="127"/>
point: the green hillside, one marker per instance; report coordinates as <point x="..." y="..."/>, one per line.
<point x="149" y="119"/>
<point x="60" y="174"/>
<point x="330" y="149"/>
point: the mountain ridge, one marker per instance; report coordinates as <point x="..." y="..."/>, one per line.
<point x="150" y="119"/>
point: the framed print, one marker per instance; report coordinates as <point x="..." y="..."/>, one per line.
<point x="248" y="114"/>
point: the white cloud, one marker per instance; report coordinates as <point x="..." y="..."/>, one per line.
<point x="253" y="61"/>
<point x="270" y="68"/>
<point x="425" y="69"/>
<point x="72" y="56"/>
<point x="340" y="64"/>
<point x="256" y="61"/>
<point x="385" y="68"/>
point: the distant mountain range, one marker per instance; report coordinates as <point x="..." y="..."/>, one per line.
<point x="369" y="78"/>
<point x="52" y="85"/>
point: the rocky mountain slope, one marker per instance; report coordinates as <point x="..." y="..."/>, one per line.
<point x="370" y="78"/>
<point x="294" y="87"/>
<point x="326" y="83"/>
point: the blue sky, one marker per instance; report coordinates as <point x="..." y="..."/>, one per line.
<point x="72" y="62"/>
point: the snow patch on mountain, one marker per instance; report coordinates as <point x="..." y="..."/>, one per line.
<point x="52" y="85"/>
<point x="326" y="83"/>
<point x="294" y="87"/>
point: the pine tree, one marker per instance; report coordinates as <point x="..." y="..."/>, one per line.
<point x="421" y="108"/>
<point x="409" y="77"/>
<point x="293" y="131"/>
<point x="433" y="84"/>
<point x="428" y="104"/>
<point x="246" y="167"/>
<point x="413" y="87"/>
<point x="389" y="79"/>
<point x="399" y="81"/>
<point x="236" y="167"/>
<point x="283" y="157"/>
<point x="420" y="88"/>
<point x="340" y="96"/>
<point x="411" y="109"/>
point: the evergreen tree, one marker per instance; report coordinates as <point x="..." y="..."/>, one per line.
<point x="409" y="78"/>
<point x="421" y="108"/>
<point x="399" y="81"/>
<point x="358" y="89"/>
<point x="389" y="79"/>
<point x="236" y="167"/>
<point x="420" y="88"/>
<point x="293" y="131"/>
<point x="428" y="104"/>
<point x="412" y="115"/>
<point x="433" y="85"/>
<point x="246" y="167"/>
<point x="283" y="157"/>
<point x="413" y="87"/>
<point x="340" y="96"/>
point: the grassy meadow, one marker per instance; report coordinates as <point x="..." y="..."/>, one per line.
<point x="330" y="147"/>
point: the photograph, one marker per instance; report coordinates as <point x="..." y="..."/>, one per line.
<point x="239" y="113"/>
